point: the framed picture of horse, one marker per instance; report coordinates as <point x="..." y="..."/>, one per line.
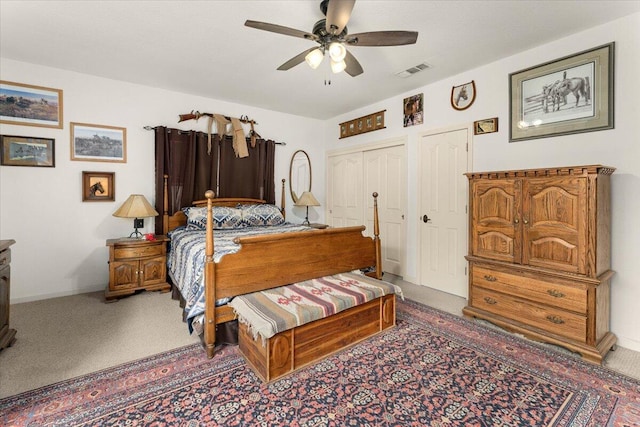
<point x="98" y="186"/>
<point x="462" y="96"/>
<point x="98" y="143"/>
<point x="565" y="96"/>
<point x="27" y="151"/>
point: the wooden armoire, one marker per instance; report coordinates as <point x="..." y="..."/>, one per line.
<point x="539" y="255"/>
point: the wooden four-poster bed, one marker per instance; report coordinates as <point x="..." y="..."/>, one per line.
<point x="263" y="262"/>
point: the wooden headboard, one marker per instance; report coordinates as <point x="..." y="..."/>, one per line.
<point x="171" y="222"/>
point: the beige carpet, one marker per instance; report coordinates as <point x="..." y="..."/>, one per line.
<point x="66" y="337"/>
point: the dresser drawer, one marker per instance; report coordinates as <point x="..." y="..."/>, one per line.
<point x="139" y="252"/>
<point x="566" y="297"/>
<point x="559" y="322"/>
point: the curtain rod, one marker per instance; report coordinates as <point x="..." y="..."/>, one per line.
<point x="153" y="128"/>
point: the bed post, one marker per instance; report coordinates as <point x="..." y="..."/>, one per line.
<point x="209" y="282"/>
<point x="282" y="200"/>
<point x="165" y="206"/>
<point x="376" y="237"/>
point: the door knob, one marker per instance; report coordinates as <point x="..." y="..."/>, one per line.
<point x="425" y="219"/>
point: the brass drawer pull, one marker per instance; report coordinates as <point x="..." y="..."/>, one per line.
<point x="554" y="293"/>
<point x="555" y="319"/>
<point x="490" y="300"/>
<point x="490" y="278"/>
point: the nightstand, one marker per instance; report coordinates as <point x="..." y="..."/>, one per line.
<point x="7" y="335"/>
<point x="316" y="225"/>
<point x="135" y="265"/>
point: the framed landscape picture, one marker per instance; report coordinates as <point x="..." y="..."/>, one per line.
<point x="97" y="143"/>
<point x="569" y="95"/>
<point x="27" y="151"/>
<point x="29" y="105"/>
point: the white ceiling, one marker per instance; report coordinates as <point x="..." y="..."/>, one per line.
<point x="203" y="47"/>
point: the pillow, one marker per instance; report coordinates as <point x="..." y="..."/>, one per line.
<point x="258" y="215"/>
<point x="223" y="217"/>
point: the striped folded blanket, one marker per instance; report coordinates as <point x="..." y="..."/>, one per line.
<point x="269" y="312"/>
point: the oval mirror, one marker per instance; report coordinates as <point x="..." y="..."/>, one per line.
<point x="299" y="174"/>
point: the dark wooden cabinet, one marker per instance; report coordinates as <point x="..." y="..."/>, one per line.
<point x="7" y="335"/>
<point x="136" y="265"/>
<point x="539" y="254"/>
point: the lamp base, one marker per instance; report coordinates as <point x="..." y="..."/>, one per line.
<point x="135" y="235"/>
<point x="306" y="219"/>
<point x="137" y="223"/>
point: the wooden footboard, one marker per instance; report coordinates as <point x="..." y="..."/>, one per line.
<point x="298" y="347"/>
<point x="268" y="261"/>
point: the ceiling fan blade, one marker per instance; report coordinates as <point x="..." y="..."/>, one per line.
<point x="295" y="60"/>
<point x="338" y="14"/>
<point x="353" y="66"/>
<point x="383" y="38"/>
<point x="274" y="28"/>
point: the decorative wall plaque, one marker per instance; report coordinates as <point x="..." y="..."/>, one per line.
<point x="362" y="124"/>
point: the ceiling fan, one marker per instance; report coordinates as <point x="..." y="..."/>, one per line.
<point x="332" y="36"/>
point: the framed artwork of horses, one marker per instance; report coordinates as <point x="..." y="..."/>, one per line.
<point x="413" y="107"/>
<point x="463" y="96"/>
<point x="97" y="143"/>
<point x="98" y="186"/>
<point x="27" y="151"/>
<point x="29" y="105"/>
<point x="569" y="95"/>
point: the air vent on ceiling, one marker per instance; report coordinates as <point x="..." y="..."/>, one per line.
<point x="413" y="70"/>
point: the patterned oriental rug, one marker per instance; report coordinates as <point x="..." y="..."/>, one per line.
<point x="433" y="369"/>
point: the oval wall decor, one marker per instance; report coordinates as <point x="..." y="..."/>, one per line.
<point x="463" y="96"/>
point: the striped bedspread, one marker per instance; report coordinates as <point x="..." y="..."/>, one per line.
<point x="185" y="261"/>
<point x="275" y="310"/>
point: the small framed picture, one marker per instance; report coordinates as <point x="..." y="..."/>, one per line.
<point x="29" y="105"/>
<point x="352" y="128"/>
<point x="98" y="186"/>
<point x="462" y="96"/>
<point x="485" y="126"/>
<point x="413" y="106"/>
<point x="97" y="143"/>
<point x="27" y="151"/>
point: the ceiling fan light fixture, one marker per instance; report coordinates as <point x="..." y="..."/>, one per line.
<point x="338" y="67"/>
<point x="337" y="51"/>
<point x="314" y="58"/>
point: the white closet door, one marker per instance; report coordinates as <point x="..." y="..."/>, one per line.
<point x="443" y="160"/>
<point x="385" y="173"/>
<point x="345" y="193"/>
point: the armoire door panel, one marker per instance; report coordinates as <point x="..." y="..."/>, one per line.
<point x="495" y="227"/>
<point x="554" y="236"/>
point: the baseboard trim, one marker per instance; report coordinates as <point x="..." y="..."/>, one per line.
<point x="56" y="294"/>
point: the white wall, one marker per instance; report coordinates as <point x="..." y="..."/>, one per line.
<point x="619" y="147"/>
<point x="60" y="247"/>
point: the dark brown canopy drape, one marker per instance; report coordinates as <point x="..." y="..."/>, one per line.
<point x="192" y="169"/>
